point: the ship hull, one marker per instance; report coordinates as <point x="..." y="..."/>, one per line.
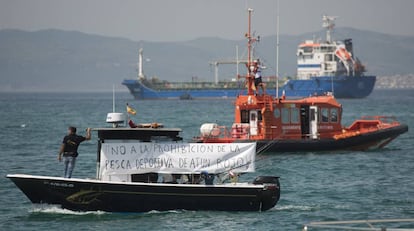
<point x="362" y="142"/>
<point x="341" y="86"/>
<point x="140" y="91"/>
<point x="94" y="195"/>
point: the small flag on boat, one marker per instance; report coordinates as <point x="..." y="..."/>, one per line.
<point x="130" y="110"/>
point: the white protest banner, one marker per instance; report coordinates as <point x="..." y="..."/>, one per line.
<point x="134" y="158"/>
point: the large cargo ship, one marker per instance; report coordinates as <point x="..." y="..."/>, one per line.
<point x="152" y="88"/>
<point x="329" y="66"/>
<point x="323" y="67"/>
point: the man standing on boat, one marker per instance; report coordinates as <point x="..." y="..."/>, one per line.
<point x="69" y="149"/>
<point x="258" y="76"/>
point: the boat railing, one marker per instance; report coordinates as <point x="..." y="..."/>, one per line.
<point x="383" y="119"/>
<point x="372" y="123"/>
<point x="219" y="132"/>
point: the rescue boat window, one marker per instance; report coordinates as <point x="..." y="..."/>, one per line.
<point x="276" y="113"/>
<point x="334" y="115"/>
<point x="294" y="115"/>
<point x="285" y="116"/>
<point x="259" y="115"/>
<point x="324" y="115"/>
<point x="244" y="114"/>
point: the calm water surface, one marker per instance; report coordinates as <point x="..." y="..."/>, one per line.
<point x="315" y="186"/>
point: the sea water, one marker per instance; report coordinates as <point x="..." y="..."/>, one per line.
<point x="316" y="186"/>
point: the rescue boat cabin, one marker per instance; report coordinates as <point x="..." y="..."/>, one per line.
<point x="265" y="118"/>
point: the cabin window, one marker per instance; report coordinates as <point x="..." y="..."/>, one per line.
<point x="294" y="115"/>
<point x="308" y="49"/>
<point x="244" y="116"/>
<point x="334" y="115"/>
<point x="328" y="57"/>
<point x="285" y="116"/>
<point x="276" y="113"/>
<point x="324" y="115"/>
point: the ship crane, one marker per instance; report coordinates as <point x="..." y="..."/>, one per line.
<point x="219" y="62"/>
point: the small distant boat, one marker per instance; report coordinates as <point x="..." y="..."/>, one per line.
<point x="329" y="66"/>
<point x="131" y="161"/>
<point x="290" y="125"/>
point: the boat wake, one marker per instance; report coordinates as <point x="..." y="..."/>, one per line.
<point x="294" y="208"/>
<point x="164" y="212"/>
<point x="53" y="209"/>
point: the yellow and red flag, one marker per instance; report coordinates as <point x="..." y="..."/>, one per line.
<point x="130" y="110"/>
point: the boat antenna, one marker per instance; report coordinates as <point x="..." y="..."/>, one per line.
<point x="277" y="49"/>
<point x="237" y="60"/>
<point x="113" y="98"/>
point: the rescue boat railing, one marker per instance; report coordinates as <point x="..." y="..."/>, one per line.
<point x="383" y="119"/>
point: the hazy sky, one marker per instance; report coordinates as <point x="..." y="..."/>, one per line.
<point x="171" y="20"/>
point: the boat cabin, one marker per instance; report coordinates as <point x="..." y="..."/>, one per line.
<point x="265" y="118"/>
<point x="261" y="117"/>
<point x="154" y="155"/>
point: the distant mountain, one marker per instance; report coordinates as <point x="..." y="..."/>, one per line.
<point x="56" y="60"/>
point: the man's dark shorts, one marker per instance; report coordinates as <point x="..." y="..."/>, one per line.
<point x="257" y="81"/>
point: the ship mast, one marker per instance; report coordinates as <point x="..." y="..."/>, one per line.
<point x="140" y="64"/>
<point x="277" y="50"/>
<point x="329" y="24"/>
<point x="250" y="41"/>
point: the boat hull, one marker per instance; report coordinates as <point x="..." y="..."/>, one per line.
<point x="361" y="142"/>
<point x="341" y="86"/>
<point x="140" y="91"/>
<point x="94" y="195"/>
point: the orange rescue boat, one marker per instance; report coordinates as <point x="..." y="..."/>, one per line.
<point x="308" y="124"/>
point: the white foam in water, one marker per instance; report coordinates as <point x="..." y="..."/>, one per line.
<point x="169" y="211"/>
<point x="58" y="210"/>
<point x="53" y="209"/>
<point x="294" y="207"/>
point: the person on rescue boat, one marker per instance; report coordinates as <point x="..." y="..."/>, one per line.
<point x="258" y="76"/>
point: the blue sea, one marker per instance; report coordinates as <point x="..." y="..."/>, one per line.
<point x="325" y="186"/>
